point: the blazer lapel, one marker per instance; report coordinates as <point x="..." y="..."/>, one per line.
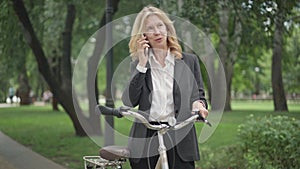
<point x="148" y="77"/>
<point x="178" y="69"/>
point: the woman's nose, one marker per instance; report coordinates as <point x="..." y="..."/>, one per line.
<point x="156" y="31"/>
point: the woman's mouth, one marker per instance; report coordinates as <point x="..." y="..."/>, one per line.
<point x="158" y="39"/>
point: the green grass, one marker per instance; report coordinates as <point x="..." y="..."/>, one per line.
<point x="47" y="132"/>
<point x="51" y="133"/>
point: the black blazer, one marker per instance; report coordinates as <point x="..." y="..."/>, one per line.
<point x="188" y="87"/>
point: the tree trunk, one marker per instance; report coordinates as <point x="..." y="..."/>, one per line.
<point x="93" y="61"/>
<point x="92" y="87"/>
<point x="54" y="104"/>
<point x="228" y="46"/>
<point x="279" y="98"/>
<point x="24" y="88"/>
<point x="65" y="66"/>
<point x="63" y="92"/>
<point x="223" y="50"/>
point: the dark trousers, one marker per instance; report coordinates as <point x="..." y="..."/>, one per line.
<point x="174" y="161"/>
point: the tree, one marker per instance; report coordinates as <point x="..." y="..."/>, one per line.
<point x="280" y="103"/>
<point x="244" y="28"/>
<point x="13" y="55"/>
<point x="54" y="62"/>
<point x="93" y="91"/>
<point x="230" y="29"/>
<point x="226" y="22"/>
<point x="61" y="89"/>
<point x="275" y="17"/>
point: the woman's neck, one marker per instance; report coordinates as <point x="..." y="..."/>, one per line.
<point x="160" y="55"/>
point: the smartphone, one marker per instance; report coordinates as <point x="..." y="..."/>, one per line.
<point x="146" y="50"/>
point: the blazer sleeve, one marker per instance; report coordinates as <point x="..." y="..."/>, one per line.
<point x="200" y="93"/>
<point x="132" y="92"/>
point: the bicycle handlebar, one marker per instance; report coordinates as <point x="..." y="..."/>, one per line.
<point x="109" y="111"/>
<point x="126" y="111"/>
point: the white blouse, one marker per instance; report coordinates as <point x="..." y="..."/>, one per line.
<point x="162" y="105"/>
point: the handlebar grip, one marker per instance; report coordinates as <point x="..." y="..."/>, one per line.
<point x="108" y="111"/>
<point x="204" y="120"/>
<point x="201" y="118"/>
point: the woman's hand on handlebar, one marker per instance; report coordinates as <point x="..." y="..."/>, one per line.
<point x="198" y="106"/>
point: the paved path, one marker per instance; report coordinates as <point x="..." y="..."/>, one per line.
<point x="15" y="156"/>
<point x="37" y="103"/>
<point x="4" y="164"/>
<point x="2" y="105"/>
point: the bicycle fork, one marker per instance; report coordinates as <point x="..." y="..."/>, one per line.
<point x="162" y="162"/>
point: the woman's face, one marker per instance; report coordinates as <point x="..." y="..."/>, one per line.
<point x="156" y="32"/>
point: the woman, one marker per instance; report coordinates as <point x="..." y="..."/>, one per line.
<point x="166" y="84"/>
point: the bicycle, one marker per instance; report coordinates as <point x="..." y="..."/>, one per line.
<point x="115" y="156"/>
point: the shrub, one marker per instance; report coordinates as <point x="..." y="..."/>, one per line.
<point x="271" y="142"/>
<point x="226" y="157"/>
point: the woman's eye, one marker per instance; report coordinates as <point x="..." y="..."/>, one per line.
<point x="149" y="28"/>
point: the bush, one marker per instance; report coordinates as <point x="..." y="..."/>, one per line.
<point x="271" y="142"/>
<point x="264" y="143"/>
<point x="226" y="157"/>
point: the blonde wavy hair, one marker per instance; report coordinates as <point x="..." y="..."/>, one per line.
<point x="139" y="28"/>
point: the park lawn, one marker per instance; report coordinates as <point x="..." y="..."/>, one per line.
<point x="51" y="133"/>
<point x="47" y="132"/>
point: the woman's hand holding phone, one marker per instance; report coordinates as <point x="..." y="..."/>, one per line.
<point x="142" y="49"/>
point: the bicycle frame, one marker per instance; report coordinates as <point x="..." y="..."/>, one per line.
<point x="163" y="158"/>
